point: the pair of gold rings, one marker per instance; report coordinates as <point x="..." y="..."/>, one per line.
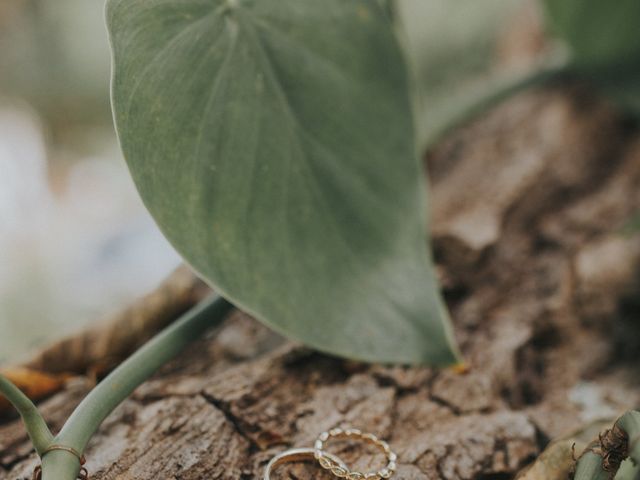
<point x="331" y="462"/>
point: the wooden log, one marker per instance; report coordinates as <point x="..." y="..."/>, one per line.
<point x="528" y="203"/>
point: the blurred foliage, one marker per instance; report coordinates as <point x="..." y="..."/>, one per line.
<point x="632" y="225"/>
<point x="450" y="42"/>
<point x="55" y="55"/>
<point x="604" y="42"/>
<point x="600" y="34"/>
<point x="451" y="47"/>
<point x="74" y="236"/>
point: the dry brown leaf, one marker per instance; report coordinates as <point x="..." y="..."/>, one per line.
<point x="35" y="384"/>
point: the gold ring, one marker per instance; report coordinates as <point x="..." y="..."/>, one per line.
<point x="70" y="450"/>
<point x="82" y="475"/>
<point x="339" y="469"/>
<point x="296" y="455"/>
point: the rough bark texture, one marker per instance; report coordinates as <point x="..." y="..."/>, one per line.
<point x="529" y="203"/>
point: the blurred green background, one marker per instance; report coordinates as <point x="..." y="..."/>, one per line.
<point x="75" y="241"/>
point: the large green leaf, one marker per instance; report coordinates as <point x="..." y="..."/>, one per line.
<point x="604" y="39"/>
<point x="272" y="141"/>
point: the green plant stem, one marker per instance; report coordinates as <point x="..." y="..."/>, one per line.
<point x="628" y="471"/>
<point x="37" y="429"/>
<point x="589" y="466"/>
<point x="630" y="424"/>
<point x="116" y="387"/>
<point x="487" y="96"/>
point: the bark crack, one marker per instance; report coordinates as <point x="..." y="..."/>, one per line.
<point x="239" y="426"/>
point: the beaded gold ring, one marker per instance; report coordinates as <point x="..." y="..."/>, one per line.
<point x="339" y="469"/>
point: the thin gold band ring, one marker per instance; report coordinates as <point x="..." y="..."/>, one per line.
<point x="83" y="474"/>
<point x="295" y="455"/>
<point x="70" y="450"/>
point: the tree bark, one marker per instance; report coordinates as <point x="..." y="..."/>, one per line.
<point x="528" y="203"/>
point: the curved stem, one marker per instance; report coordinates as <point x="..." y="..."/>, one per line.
<point x="37" y="429"/>
<point x="490" y="94"/>
<point x="117" y="386"/>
